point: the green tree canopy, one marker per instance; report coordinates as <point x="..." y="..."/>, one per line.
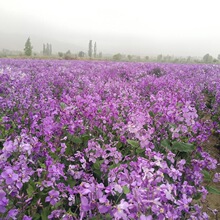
<point x="28" y="47"/>
<point x="117" y="56"/>
<point x="95" y="50"/>
<point x="90" y="49"/>
<point x="207" y="58"/>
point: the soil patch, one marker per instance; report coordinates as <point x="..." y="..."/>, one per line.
<point x="212" y="146"/>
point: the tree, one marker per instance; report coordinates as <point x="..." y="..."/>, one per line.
<point x="100" y="55"/>
<point x="147" y="58"/>
<point x="188" y="59"/>
<point x="117" y="56"/>
<point x="219" y="57"/>
<point x="129" y="57"/>
<point x="90" y="49"/>
<point x="44" y="49"/>
<point x="207" y="58"/>
<point x="81" y="54"/>
<point x="68" y="52"/>
<point x="50" y="49"/>
<point x="95" y="50"/>
<point x="60" y="54"/>
<point x="159" y="57"/>
<point x="138" y="58"/>
<point x="47" y="49"/>
<point x="28" y="48"/>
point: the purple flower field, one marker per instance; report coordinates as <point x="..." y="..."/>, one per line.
<point x="106" y="140"/>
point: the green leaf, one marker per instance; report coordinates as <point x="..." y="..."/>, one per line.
<point x="54" y="156"/>
<point x="36" y="216"/>
<point x="183" y="147"/>
<point x="151" y="114"/>
<point x="44" y="214"/>
<point x="114" y="166"/>
<point x="62" y="105"/>
<point x="197" y="196"/>
<point x="140" y="151"/>
<point x="97" y="164"/>
<point x="69" y="149"/>
<point x="71" y="182"/>
<point x="165" y="143"/>
<point x="213" y="190"/>
<point x="85" y="137"/>
<point x="30" y="190"/>
<point x="207" y="175"/>
<point x="76" y="140"/>
<point x="108" y="217"/>
<point x="172" y="125"/>
<point x="133" y="143"/>
<point x="58" y="204"/>
<point x="42" y="165"/>
<point x="13" y="125"/>
<point x="119" y="145"/>
<point x="95" y="217"/>
<point x="126" y="190"/>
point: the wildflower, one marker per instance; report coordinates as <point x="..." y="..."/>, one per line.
<point x="12" y="214"/>
<point x="85" y="206"/>
<point x="184" y="203"/>
<point x="27" y="218"/>
<point x="143" y="217"/>
<point x="56" y="214"/>
<point x="216" y="177"/>
<point x="3" y="201"/>
<point x="122" y="210"/>
<point x="9" y="176"/>
<point x="53" y="197"/>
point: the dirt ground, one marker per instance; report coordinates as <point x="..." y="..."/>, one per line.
<point x="212" y="146"/>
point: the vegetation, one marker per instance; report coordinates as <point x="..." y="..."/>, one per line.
<point x="107" y="140"/>
<point x="90" y="49"/>
<point x="28" y="48"/>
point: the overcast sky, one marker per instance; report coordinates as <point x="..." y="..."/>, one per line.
<point x="141" y="27"/>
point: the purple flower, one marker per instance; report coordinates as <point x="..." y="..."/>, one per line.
<point x="27" y="218"/>
<point x="170" y="156"/>
<point x="143" y="217"/>
<point x="184" y="203"/>
<point x="216" y="178"/>
<point x="9" y="146"/>
<point x="9" y="176"/>
<point x="174" y="173"/>
<point x="71" y="200"/>
<point x="53" y="197"/>
<point x="205" y="216"/>
<point x="103" y="208"/>
<point x="67" y="217"/>
<point x="12" y="214"/>
<point x="85" y="206"/>
<point x="56" y="214"/>
<point x="3" y="201"/>
<point x="122" y="210"/>
<point x="26" y="148"/>
<point x="118" y="188"/>
<point x="180" y="164"/>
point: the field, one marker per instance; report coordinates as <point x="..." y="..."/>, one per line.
<point x="108" y="140"/>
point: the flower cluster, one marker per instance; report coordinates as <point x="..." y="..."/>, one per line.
<point x="103" y="140"/>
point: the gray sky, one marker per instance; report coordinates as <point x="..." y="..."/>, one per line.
<point x="142" y="27"/>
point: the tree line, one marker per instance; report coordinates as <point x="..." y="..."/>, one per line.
<point x="47" y="50"/>
<point x="92" y="53"/>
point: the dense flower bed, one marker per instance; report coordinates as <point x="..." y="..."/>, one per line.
<point x="104" y="140"/>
